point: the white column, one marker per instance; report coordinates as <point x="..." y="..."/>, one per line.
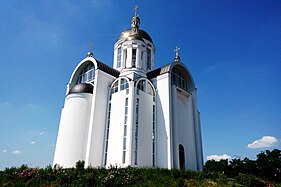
<point x="129" y="57"/>
<point x="138" y="57"/>
<point x="130" y="125"/>
<point x="170" y="130"/>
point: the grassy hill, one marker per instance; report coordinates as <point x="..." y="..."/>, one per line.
<point x="237" y="172"/>
<point x="113" y="176"/>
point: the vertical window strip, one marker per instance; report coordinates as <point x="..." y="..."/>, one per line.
<point x="125" y="130"/>
<point x="153" y="137"/>
<point x="119" y="57"/>
<point x="134" y="55"/>
<point x="107" y="133"/>
<point x="136" y="131"/>
<point x="148" y="60"/>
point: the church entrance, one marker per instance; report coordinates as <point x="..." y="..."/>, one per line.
<point x="181" y="157"/>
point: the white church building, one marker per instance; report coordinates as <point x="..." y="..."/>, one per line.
<point x="131" y="114"/>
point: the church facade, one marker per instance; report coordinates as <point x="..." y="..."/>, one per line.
<point x="131" y="114"/>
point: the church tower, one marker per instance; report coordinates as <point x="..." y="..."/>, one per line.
<point x="132" y="101"/>
<point x="134" y="51"/>
<point x="131" y="114"/>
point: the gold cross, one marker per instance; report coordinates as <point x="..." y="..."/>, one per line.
<point x="177" y="51"/>
<point x="136" y="10"/>
<point x="91" y="47"/>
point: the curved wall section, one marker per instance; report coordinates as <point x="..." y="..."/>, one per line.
<point x="73" y="130"/>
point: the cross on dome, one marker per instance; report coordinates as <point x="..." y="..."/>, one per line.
<point x="91" y="47"/>
<point x="177" y="50"/>
<point x="135" y="21"/>
<point x="90" y="53"/>
<point x="136" y="10"/>
<point x="177" y="58"/>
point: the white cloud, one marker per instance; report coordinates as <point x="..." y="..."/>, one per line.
<point x="16" y="152"/>
<point x="265" y="141"/>
<point x="218" y="157"/>
<point x="32" y="142"/>
<point x="42" y="133"/>
<point x="4" y="151"/>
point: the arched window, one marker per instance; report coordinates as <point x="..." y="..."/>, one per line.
<point x="141" y="86"/>
<point x="114" y="87"/>
<point x="150" y="90"/>
<point x="179" y="79"/>
<point x="87" y="74"/>
<point x="124" y="84"/>
<point x="146" y="87"/>
<point x="181" y="157"/>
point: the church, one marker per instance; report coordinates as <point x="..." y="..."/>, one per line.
<point x="131" y="114"/>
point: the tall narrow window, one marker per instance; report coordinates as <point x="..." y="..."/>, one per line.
<point x="119" y="57"/>
<point x="141" y="57"/>
<point x="181" y="157"/>
<point x="107" y="133"/>
<point x="125" y="130"/>
<point x="153" y="137"/>
<point x="136" y="131"/>
<point x="148" y="60"/>
<point x="134" y="55"/>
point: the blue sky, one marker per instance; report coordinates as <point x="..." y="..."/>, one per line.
<point x="231" y="47"/>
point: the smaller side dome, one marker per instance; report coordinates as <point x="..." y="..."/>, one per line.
<point x="82" y="88"/>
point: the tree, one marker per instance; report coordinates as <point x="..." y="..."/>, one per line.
<point x="216" y="166"/>
<point x="269" y="164"/>
<point x="236" y="166"/>
<point x="250" y="166"/>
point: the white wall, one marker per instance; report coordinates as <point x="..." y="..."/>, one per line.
<point x="97" y="122"/>
<point x="198" y="136"/>
<point x="183" y="128"/>
<point x="72" y="135"/>
<point x="145" y="123"/>
<point x="116" y="131"/>
<point x="163" y="138"/>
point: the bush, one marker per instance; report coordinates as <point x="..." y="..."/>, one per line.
<point x="114" y="176"/>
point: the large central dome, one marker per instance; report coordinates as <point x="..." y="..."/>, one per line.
<point x="128" y="34"/>
<point x="134" y="51"/>
<point x="135" y="33"/>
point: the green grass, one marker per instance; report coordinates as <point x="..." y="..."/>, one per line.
<point x="113" y="176"/>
